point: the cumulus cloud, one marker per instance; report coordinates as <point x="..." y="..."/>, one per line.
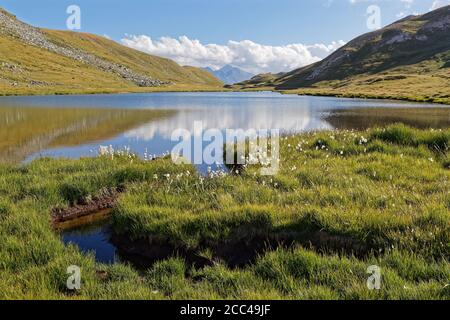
<point x="248" y="55"/>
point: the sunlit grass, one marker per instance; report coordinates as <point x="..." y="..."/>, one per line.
<point x="341" y="202"/>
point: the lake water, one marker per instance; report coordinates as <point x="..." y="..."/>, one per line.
<point x="75" y="126"/>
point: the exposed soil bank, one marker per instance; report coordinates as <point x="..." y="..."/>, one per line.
<point x="84" y="220"/>
<point x="86" y="211"/>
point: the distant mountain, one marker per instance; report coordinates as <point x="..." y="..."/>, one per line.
<point x="35" y="60"/>
<point x="230" y="75"/>
<point x="407" y="59"/>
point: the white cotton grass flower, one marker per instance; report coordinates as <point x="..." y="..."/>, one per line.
<point x="125" y="152"/>
<point x="362" y="140"/>
<point x="103" y="150"/>
<point x="146" y="155"/>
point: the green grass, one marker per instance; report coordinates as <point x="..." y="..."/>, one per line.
<point x="343" y="201"/>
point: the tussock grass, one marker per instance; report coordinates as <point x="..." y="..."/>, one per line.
<point x="437" y="141"/>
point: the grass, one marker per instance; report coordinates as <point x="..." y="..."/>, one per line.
<point x="342" y="201"/>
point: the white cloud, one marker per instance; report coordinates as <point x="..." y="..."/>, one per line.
<point x="248" y="55"/>
<point x="436" y="4"/>
<point x="406" y="2"/>
<point x="439" y="3"/>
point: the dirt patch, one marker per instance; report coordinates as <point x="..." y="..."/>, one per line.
<point x="87" y="211"/>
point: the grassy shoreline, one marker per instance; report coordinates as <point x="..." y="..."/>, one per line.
<point x="385" y="190"/>
<point x="349" y="95"/>
<point x="172" y="89"/>
<point x="444" y="101"/>
<point x="130" y="90"/>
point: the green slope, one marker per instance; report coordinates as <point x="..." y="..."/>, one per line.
<point x="408" y="59"/>
<point x="30" y="65"/>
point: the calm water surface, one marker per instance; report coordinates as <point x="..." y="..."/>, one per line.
<point x="75" y="126"/>
<point x="95" y="239"/>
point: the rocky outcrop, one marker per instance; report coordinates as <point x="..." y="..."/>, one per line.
<point x="34" y="36"/>
<point x="11" y="67"/>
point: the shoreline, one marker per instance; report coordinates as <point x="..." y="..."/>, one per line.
<point x="348" y="96"/>
<point x="110" y="92"/>
<point x="223" y="90"/>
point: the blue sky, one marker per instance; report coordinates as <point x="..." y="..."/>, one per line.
<point x="270" y="23"/>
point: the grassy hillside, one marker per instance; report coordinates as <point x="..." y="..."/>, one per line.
<point x="408" y="60"/>
<point x="27" y="68"/>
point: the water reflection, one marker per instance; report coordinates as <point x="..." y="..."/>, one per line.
<point x="25" y="131"/>
<point x="287" y="118"/>
<point x="75" y="126"/>
<point x="93" y="238"/>
<point x="363" y="118"/>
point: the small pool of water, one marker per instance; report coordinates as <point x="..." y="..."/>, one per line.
<point x="93" y="238"/>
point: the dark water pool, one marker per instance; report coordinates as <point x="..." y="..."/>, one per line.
<point x="93" y="238"/>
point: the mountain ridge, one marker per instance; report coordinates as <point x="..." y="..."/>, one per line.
<point x="410" y="56"/>
<point x="230" y="74"/>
